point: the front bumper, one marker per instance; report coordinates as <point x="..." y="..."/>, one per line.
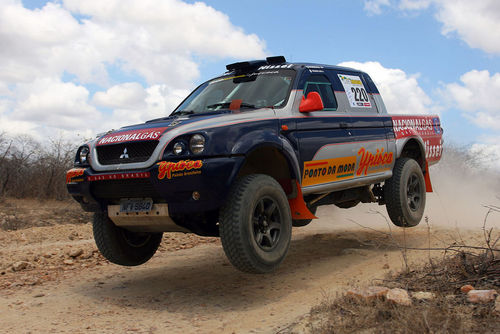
<point x="171" y="182"/>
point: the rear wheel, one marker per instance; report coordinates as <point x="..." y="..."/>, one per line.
<point x="404" y="193"/>
<point x="122" y="246"/>
<point x="255" y="224"/>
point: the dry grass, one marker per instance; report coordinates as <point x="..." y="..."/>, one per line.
<point x="18" y="214"/>
<point x="442" y="315"/>
<point x="448" y="313"/>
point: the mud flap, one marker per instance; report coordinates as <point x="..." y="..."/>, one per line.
<point x="427" y="178"/>
<point x="298" y="206"/>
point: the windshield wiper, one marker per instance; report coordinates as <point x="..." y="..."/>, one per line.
<point x="227" y="104"/>
<point x="182" y="112"/>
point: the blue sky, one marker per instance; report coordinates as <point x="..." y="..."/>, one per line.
<point x="127" y="61"/>
<point x="335" y="31"/>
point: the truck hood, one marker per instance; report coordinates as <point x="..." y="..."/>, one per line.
<point x="165" y="130"/>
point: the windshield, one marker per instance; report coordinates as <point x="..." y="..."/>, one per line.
<point x="244" y="91"/>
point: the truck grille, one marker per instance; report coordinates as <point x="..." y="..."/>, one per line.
<point x="126" y="153"/>
<point x="114" y="189"/>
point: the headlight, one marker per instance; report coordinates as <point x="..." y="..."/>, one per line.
<point x="83" y="156"/>
<point x="179" y="148"/>
<point x="197" y="144"/>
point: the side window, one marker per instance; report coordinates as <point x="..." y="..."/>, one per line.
<point x="323" y="86"/>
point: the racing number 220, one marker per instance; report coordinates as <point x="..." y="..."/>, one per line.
<point x="359" y="94"/>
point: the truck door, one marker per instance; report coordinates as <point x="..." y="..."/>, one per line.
<point x="322" y="135"/>
<point x="369" y="128"/>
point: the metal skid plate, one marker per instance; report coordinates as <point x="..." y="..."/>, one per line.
<point x="156" y="220"/>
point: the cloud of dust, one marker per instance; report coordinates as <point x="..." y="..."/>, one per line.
<point x="462" y="187"/>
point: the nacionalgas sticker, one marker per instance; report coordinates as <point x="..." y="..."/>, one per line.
<point x="355" y="91"/>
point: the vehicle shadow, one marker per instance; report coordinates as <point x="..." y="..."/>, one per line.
<point x="202" y="280"/>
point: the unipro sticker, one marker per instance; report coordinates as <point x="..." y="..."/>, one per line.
<point x="355" y="91"/>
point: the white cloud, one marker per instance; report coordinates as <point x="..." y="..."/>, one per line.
<point x="374" y="7"/>
<point x="131" y="103"/>
<point x="98" y="42"/>
<point x="155" y="39"/>
<point x="51" y="102"/>
<point x="5" y="105"/>
<point x="401" y="92"/>
<point x="476" y="95"/>
<point x="414" y="4"/>
<point x="475" y="22"/>
<point x="128" y="95"/>
<point x="4" y="89"/>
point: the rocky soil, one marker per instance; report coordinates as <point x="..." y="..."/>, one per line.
<point x="52" y="279"/>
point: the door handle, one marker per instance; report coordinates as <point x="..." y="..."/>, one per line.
<point x="343" y="125"/>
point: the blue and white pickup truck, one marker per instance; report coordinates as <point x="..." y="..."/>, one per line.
<point x="250" y="154"/>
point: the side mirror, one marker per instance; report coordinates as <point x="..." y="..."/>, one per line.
<point x="313" y="102"/>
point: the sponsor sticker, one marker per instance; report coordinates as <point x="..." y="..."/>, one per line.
<point x="130" y="136"/>
<point x="328" y="170"/>
<point x="355" y="91"/>
<point x="332" y="170"/>
<point x="427" y="127"/>
<point x="372" y="163"/>
<point x="406" y="126"/>
<point x="181" y="168"/>
<point x="118" y="176"/>
<point x="73" y="175"/>
<point x="433" y="149"/>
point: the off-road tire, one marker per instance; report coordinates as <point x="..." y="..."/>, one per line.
<point x="243" y="220"/>
<point x="121" y="246"/>
<point x="404" y="193"/>
<point x="304" y="222"/>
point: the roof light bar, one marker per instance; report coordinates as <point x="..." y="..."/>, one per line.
<point x="248" y="65"/>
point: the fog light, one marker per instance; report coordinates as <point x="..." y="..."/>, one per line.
<point x="179" y="148"/>
<point x="196" y="195"/>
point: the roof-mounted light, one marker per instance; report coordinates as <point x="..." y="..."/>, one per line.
<point x="276" y="60"/>
<point x="254" y="64"/>
<point x="245" y="65"/>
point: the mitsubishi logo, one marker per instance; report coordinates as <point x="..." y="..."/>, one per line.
<point x="124" y="154"/>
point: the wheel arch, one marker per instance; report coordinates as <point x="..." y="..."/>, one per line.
<point x="414" y="148"/>
<point x="270" y="159"/>
<point x="284" y="168"/>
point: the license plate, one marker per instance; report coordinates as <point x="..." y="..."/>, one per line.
<point x="136" y="205"/>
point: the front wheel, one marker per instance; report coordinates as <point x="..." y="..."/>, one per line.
<point x="256" y="224"/>
<point x="404" y="193"/>
<point x="121" y="246"/>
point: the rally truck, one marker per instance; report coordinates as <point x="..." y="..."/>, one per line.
<point x="249" y="154"/>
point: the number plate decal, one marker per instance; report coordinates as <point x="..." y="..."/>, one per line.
<point x="136" y="205"/>
<point x="355" y="91"/>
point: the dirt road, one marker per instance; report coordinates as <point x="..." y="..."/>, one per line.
<point x="196" y="289"/>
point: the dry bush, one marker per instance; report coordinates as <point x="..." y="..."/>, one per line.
<point x="449" y="312"/>
<point x="441" y="315"/>
<point x="30" y="169"/>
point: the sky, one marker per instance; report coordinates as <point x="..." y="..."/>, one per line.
<point x="75" y="68"/>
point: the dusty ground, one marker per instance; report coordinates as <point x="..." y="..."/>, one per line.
<point x="189" y="286"/>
